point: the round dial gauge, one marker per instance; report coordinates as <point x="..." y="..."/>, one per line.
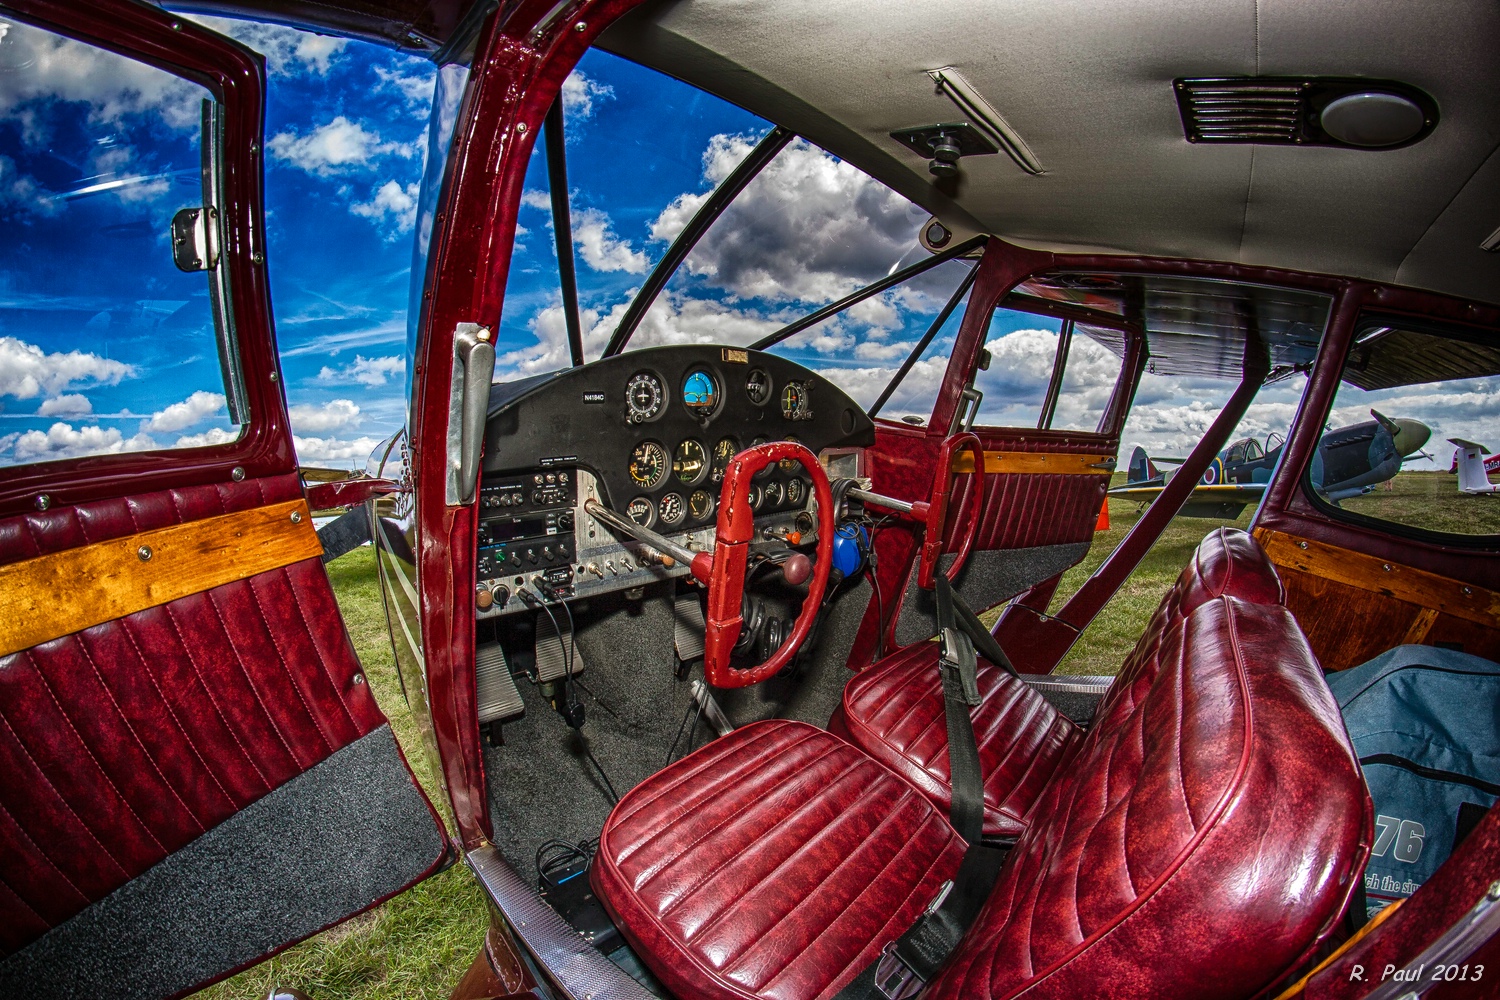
<point x="724" y="450"/>
<point x="775" y="493"/>
<point x="643" y="397"/>
<point x="796" y="491"/>
<point x="760" y="440"/>
<point x="700" y="504"/>
<point x="671" y="509"/>
<point x="642" y="511"/>
<point x="794" y="401"/>
<point x="757" y="496"/>
<point x="648" y="464"/>
<point x="689" y="462"/>
<point x="700" y="393"/>
<point x="758" y="386"/>
<point x="789" y="464"/>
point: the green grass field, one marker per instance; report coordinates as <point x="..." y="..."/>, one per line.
<point x="419" y="944"/>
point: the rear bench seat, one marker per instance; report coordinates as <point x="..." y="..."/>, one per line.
<point x="893" y="710"/>
<point x="1205" y="835"/>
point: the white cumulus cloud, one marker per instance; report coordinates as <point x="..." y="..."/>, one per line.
<point x="212" y="436"/>
<point x="393" y="202"/>
<point x="600" y="248"/>
<point x="65" y="406"/>
<point x="180" y="416"/>
<point x="337" y="147"/>
<point x="63" y="440"/>
<point x="579" y="94"/>
<point x="364" y="371"/>
<point x="288" y="51"/>
<point x="332" y="415"/>
<point x="334" y="451"/>
<point x="27" y="371"/>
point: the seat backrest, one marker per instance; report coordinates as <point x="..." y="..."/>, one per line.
<point x="1199" y="846"/>
<point x="1227" y="563"/>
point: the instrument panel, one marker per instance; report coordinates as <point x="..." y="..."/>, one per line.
<point x="651" y="433"/>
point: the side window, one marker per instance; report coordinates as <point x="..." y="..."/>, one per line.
<point x="1025" y="352"/>
<point x="1411" y="434"/>
<point x="105" y="344"/>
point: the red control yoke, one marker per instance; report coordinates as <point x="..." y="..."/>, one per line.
<point x="724" y="571"/>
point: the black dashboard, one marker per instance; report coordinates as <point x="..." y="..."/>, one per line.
<point x="648" y="434"/>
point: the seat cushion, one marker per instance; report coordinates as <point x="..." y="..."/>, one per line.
<point x="776" y="862"/>
<point x="894" y="712"/>
<point x="1200" y="845"/>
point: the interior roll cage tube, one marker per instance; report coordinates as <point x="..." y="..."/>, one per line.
<point x="765" y="151"/>
<point x="921" y="345"/>
<point x="562" y="225"/>
<point x="1049" y="637"/>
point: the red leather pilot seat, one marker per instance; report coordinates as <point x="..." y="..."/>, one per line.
<point x="893" y="710"/>
<point x="1204" y="837"/>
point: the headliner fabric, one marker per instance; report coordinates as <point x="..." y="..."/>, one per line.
<point x="330" y="842"/>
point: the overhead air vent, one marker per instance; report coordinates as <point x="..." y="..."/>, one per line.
<point x="1314" y="111"/>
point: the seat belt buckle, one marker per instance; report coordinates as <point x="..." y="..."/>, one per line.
<point x="894" y="978"/>
<point x="954" y="644"/>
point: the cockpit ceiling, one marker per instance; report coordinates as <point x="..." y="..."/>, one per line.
<point x="1194" y="326"/>
<point x="1088" y="87"/>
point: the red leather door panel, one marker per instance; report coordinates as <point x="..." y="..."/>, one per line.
<point x="196" y="771"/>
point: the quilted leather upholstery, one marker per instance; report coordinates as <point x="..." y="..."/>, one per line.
<point x="893" y="710"/>
<point x="774" y="863"/>
<point x="1204" y="840"/>
<point x="123" y="742"/>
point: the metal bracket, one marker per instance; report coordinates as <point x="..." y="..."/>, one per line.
<point x="468" y="408"/>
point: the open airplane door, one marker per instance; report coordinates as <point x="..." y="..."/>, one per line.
<point x="195" y="771"/>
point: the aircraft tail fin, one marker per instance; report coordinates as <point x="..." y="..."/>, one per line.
<point x="1141" y="469"/>
<point x="1472" y="477"/>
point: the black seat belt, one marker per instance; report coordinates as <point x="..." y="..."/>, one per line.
<point x="909" y="962"/>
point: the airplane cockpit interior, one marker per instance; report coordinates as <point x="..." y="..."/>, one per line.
<point x="883" y="502"/>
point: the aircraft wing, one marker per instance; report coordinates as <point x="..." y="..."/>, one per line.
<point x="1226" y="501"/>
<point x="1223" y="493"/>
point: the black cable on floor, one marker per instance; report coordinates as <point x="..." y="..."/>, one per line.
<point x="671" y="750"/>
<point x="614" y="798"/>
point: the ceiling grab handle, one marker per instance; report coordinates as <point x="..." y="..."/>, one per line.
<point x="473" y="368"/>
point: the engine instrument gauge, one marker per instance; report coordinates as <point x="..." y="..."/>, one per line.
<point x="643" y="397"/>
<point x="763" y="473"/>
<point x="775" y="493"/>
<point x="648" y="464"/>
<point x="757" y="496"/>
<point x="724" y="450"/>
<point x="795" y="401"/>
<point x="789" y="464"/>
<point x="758" y="386"/>
<point x="689" y="462"/>
<point x="700" y="504"/>
<point x="700" y="393"/>
<point x="796" y="491"/>
<point x="671" y="509"/>
<point x="642" y="511"/>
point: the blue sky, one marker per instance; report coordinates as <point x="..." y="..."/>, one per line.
<point x="105" y="346"/>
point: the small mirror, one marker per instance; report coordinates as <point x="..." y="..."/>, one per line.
<point x="192" y="240"/>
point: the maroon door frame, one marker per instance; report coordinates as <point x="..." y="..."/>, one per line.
<point x="518" y="69"/>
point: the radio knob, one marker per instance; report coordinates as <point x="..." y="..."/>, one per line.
<point x="565" y="520"/>
<point x="483" y="599"/>
<point x="531" y="555"/>
<point x="547" y="552"/>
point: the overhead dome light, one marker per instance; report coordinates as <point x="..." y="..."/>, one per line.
<point x="1372" y="119"/>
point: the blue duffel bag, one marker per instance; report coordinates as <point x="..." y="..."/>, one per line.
<point x="1426" y="725"/>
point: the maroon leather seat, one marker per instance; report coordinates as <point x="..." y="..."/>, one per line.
<point x="893" y="710"/>
<point x="1204" y="837"/>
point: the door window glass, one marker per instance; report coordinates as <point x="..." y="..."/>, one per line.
<point x="1410" y="437"/>
<point x="1024" y="354"/>
<point x="105" y="345"/>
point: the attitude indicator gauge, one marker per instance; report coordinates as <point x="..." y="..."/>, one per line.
<point x="700" y="393"/>
<point x="643" y="397"/>
<point x="648" y="464"/>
